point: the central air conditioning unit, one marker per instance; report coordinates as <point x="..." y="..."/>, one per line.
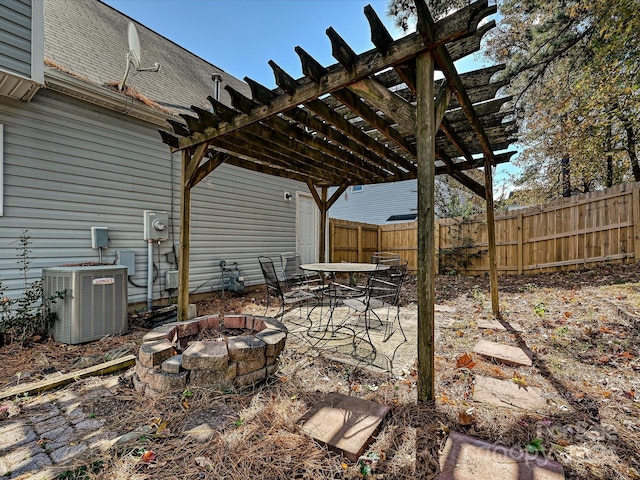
<point x="94" y="304"/>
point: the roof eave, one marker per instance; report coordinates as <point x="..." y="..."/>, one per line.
<point x="66" y="84"/>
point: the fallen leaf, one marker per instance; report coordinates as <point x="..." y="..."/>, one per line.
<point x="465" y="361"/>
<point x="459" y="333"/>
<point x="567" y="314"/>
<point x="627" y="355"/>
<point x="465" y="418"/>
<point x="606" y="330"/>
<point x="148" y="456"/>
<point x="606" y="393"/>
<point x="498" y="372"/>
<point x="603" y="360"/>
<point x="446" y="400"/>
<point x="520" y="381"/>
<point x="185" y="404"/>
<point x="631" y="394"/>
<point x="162" y="426"/>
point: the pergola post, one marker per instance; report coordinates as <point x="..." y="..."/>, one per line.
<point x="425" y="143"/>
<point x="185" y="230"/>
<point x="324" y="213"/>
<point x="491" y="233"/>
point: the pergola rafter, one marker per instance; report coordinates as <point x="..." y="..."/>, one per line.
<point x="375" y="117"/>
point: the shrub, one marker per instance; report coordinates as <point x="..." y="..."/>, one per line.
<point x="24" y="317"/>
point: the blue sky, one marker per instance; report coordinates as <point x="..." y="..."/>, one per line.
<point x="241" y="36"/>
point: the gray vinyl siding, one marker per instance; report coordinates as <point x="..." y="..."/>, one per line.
<point x="15" y="36"/>
<point x="69" y="166"/>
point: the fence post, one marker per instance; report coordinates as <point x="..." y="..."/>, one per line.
<point x="360" y="242"/>
<point x="520" y="249"/>
<point x="332" y="240"/>
<point x="635" y="209"/>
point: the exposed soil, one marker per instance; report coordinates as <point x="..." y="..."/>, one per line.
<point x="582" y="327"/>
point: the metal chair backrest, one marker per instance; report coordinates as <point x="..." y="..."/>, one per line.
<point x="385" y="258"/>
<point x="271" y="277"/>
<point x="291" y="267"/>
<point x="384" y="285"/>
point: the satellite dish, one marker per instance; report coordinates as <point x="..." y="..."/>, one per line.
<point x="134" y="46"/>
<point x="134" y="56"/>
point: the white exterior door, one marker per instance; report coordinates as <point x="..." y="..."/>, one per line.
<point x="307" y="219"/>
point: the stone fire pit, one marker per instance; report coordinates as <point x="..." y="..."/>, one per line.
<point x="228" y="351"/>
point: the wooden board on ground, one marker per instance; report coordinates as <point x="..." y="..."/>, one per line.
<point x="43" y="385"/>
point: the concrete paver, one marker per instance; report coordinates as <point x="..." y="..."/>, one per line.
<point x="492" y="324"/>
<point x="469" y="458"/>
<point x="505" y="393"/>
<point x="50" y="430"/>
<point x="504" y="353"/>
<point x="346" y="424"/>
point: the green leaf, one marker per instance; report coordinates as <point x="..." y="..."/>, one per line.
<point x="535" y="446"/>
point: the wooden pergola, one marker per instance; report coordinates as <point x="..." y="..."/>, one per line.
<point x="379" y="116"/>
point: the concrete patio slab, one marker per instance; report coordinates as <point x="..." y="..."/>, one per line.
<point x="345" y="424"/>
<point x="469" y="458"/>
<point x="504" y="353"/>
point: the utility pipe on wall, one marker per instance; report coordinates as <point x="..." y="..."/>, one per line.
<point x="149" y="274"/>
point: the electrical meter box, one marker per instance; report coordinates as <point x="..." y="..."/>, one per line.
<point x="156" y="225"/>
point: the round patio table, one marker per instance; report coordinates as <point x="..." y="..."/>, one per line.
<point x="334" y="292"/>
<point x="344" y="267"/>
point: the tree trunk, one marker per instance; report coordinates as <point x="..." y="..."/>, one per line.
<point x="631" y="146"/>
<point x="566" y="177"/>
<point x="609" y="158"/>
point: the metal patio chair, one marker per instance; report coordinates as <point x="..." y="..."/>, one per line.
<point x="296" y="278"/>
<point x="292" y="298"/>
<point x="381" y="300"/>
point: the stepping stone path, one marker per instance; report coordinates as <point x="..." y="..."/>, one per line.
<point x="346" y="424"/>
<point x="505" y="393"/>
<point x="468" y="458"/>
<point x="504" y="353"/>
<point x="497" y="325"/>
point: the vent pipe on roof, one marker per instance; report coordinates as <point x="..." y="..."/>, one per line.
<point x="217" y="81"/>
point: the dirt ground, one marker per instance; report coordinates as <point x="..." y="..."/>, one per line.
<point x="582" y="327"/>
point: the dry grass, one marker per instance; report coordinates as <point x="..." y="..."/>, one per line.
<point x="581" y="326"/>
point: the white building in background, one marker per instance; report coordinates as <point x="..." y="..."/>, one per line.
<point x="378" y="204"/>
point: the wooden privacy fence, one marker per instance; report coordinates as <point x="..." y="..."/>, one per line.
<point x="575" y="232"/>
